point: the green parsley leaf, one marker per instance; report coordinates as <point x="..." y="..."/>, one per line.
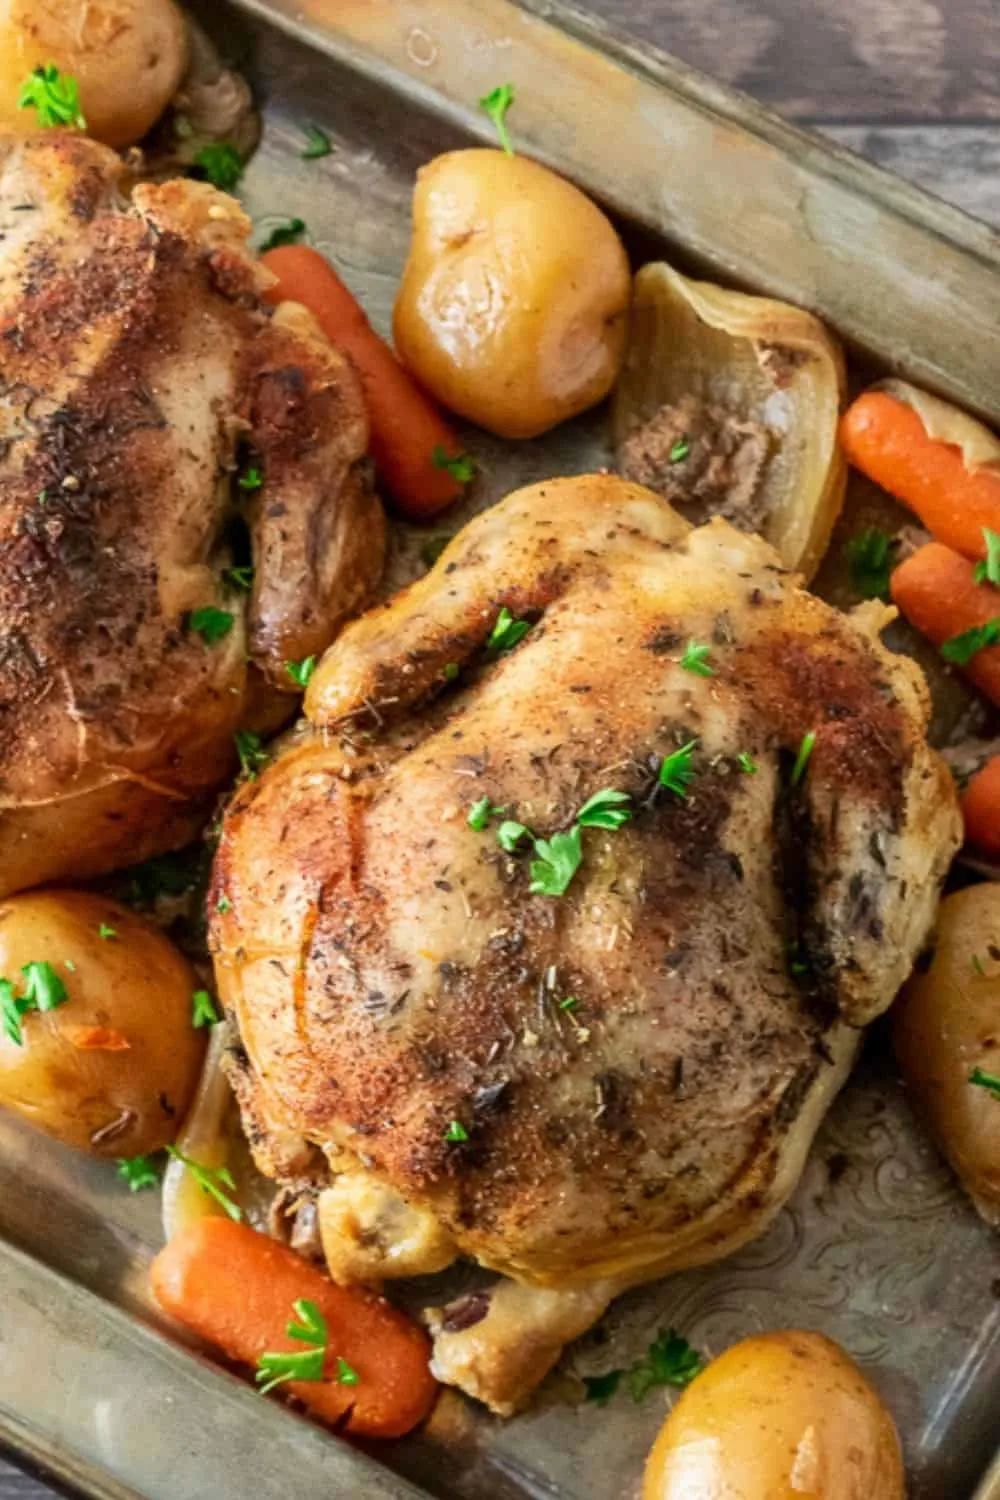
<point x="432" y="549"/>
<point x="976" y="965"/>
<point x="456" y="1132"/>
<point x="605" y="809"/>
<point x="869" y="562"/>
<point x="251" y="479"/>
<point x="43" y="989"/>
<point x="679" y="450"/>
<point x="570" y="1003"/>
<point x="496" y="104"/>
<point x="462" y="467"/>
<point x="600" y="1388"/>
<point x="670" y="1360"/>
<point x="346" y="1374"/>
<point x="138" y="1171"/>
<point x="239" y="578"/>
<point x="55" y="96"/>
<point x="695" y="659"/>
<point x="802" y="759"/>
<point x="220" y="164"/>
<point x="223" y="904"/>
<point x="450" y="671"/>
<point x="211" y="1180"/>
<point x="506" y="632"/>
<point x="986" y="1080"/>
<point x="309" y="1327"/>
<point x="203" y="1011"/>
<point x="288" y="233"/>
<point x="251" y="752"/>
<point x="510" y="834"/>
<point x="212" y="624"/>
<point x="989" y="570"/>
<point x="12" y="1010"/>
<point x="106" y="932"/>
<point x="301" y="671"/>
<point x="481" y="812"/>
<point x="556" y="862"/>
<point x="746" y="763"/>
<point x="317" y="144"/>
<point x="960" y="649"/>
<point x="676" y="772"/>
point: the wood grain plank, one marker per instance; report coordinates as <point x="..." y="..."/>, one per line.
<point x="960" y="163"/>
<point x="850" y="60"/>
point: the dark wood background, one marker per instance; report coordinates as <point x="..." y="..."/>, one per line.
<point x="913" y="84"/>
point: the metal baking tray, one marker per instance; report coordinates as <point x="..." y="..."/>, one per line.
<point x="878" y="1248"/>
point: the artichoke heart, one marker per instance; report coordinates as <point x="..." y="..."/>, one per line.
<point x="728" y="405"/>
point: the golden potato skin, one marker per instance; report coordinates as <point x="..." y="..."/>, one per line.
<point x="128" y="57"/>
<point x="947" y="1022"/>
<point x="512" y="307"/>
<point x="138" y="987"/>
<point x="781" y="1416"/>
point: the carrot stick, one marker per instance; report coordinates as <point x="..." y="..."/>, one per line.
<point x="981" y="809"/>
<point x="937" y="592"/>
<point x="886" y="439"/>
<point x="407" y="431"/>
<point x="236" y="1288"/>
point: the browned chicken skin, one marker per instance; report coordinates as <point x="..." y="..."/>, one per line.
<point x="137" y="359"/>
<point x="637" y="1067"/>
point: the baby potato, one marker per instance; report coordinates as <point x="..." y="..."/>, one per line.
<point x="945" y="1024"/>
<point x="128" y="57"/>
<point x="114" y="1067"/>
<point x="781" y="1416"/>
<point x="512" y="307"/>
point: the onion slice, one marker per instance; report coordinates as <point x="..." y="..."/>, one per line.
<point x="204" y="1138"/>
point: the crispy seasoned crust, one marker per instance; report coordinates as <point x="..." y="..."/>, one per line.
<point x="137" y="357"/>
<point x="391" y="973"/>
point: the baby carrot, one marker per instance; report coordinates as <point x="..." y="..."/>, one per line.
<point x="937" y="591"/>
<point x="981" y="809"/>
<point x="886" y="439"/>
<point x="410" y="440"/>
<point x="237" y="1289"/>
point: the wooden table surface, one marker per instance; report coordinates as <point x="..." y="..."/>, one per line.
<point x="912" y="84"/>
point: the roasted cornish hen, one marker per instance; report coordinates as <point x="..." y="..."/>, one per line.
<point x="589" y="1089"/>
<point x="137" y="361"/>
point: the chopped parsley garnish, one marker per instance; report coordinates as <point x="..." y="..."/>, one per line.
<point x="481" y="812"/>
<point x="556" y="862"/>
<point x="317" y="144"/>
<point x="54" y="95"/>
<point x="239" y="578"/>
<point x="869" y="562"/>
<point x="220" y="164"/>
<point x="431" y="550"/>
<point x="570" y="1003"/>
<point x="43" y="990"/>
<point x="506" y="632"/>
<point x="223" y="904"/>
<point x="676" y="771"/>
<point x="679" y="450"/>
<point x="346" y="1374"/>
<point x="251" y="479"/>
<point x="301" y="671"/>
<point x="450" y="671"/>
<point x="139" y="1172"/>
<point x="288" y="233"/>
<point x="695" y="659"/>
<point x="605" y="809"/>
<point x="960" y="649"/>
<point x="669" y="1360"/>
<point x="211" y="1180"/>
<point x="212" y="624"/>
<point x="802" y="758"/>
<point x="976" y="965"/>
<point x="309" y="1327"/>
<point x="600" y="1388"/>
<point x="106" y="932"/>
<point x="510" y="834"/>
<point x="251" y="752"/>
<point x="746" y="763"/>
<point x="988" y="571"/>
<point x="462" y="467"/>
<point x="986" y="1080"/>
<point x="496" y="104"/>
<point x="456" y="1132"/>
<point x="203" y="1011"/>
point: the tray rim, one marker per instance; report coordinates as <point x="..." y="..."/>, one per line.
<point x="64" y="1456"/>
